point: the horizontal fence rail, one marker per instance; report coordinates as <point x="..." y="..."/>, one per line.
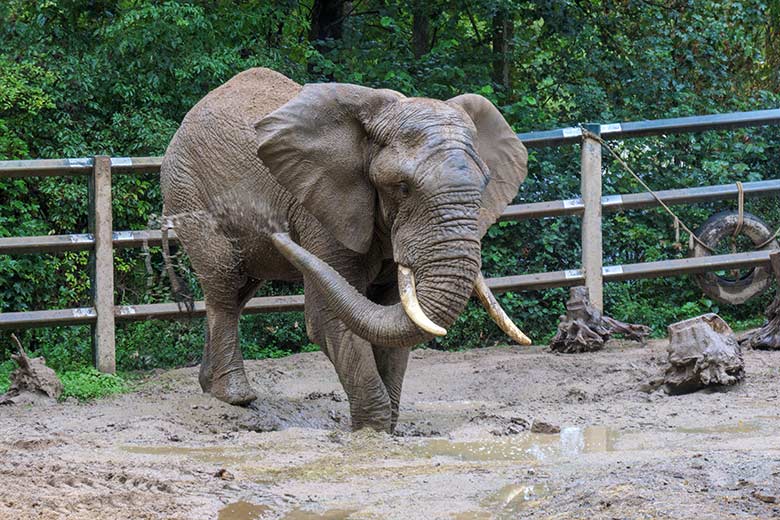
<point x="677" y="125"/>
<point x="554" y="208"/>
<point x="266" y="304"/>
<point x="99" y="170"/>
<point x="561" y="136"/>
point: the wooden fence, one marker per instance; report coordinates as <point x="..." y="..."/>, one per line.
<point x="102" y="239"/>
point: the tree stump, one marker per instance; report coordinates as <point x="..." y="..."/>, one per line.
<point x="585" y="329"/>
<point x="32" y="377"/>
<point x="768" y="336"/>
<point x="703" y="351"/>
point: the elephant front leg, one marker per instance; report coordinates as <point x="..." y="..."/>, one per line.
<point x="226" y="289"/>
<point x="222" y="371"/>
<point x="225" y="365"/>
<point x="391" y="364"/>
<point x="369" y="403"/>
<point x="353" y="359"/>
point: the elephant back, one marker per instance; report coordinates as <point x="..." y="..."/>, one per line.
<point x="214" y="150"/>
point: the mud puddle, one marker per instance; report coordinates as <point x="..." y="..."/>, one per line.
<point x="243" y="510"/>
<point x="524" y="447"/>
<point x="740" y="427"/>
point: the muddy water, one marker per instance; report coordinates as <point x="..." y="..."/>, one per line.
<point x="527" y="447"/>
<point x="242" y="510"/>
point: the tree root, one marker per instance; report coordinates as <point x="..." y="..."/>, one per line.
<point x="585" y="329"/>
<point x="32" y="376"/>
<point x="768" y="336"/>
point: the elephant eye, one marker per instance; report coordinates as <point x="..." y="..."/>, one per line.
<point x="403" y="189"/>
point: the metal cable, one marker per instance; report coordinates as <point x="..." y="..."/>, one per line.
<point x="591" y="135"/>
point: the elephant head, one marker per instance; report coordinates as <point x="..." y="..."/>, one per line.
<point x="420" y="178"/>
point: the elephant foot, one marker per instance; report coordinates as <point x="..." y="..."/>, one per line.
<point x="233" y="388"/>
<point x="379" y="426"/>
<point x="378" y="419"/>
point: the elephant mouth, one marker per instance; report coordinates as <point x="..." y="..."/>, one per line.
<point x="400" y="325"/>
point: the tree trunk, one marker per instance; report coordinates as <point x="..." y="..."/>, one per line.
<point x="327" y="23"/>
<point x="773" y="44"/>
<point x="503" y="32"/>
<point x="327" y="20"/>
<point x="421" y="28"/>
<point x="703" y="351"/>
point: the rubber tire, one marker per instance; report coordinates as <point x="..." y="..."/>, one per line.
<point x="721" y="226"/>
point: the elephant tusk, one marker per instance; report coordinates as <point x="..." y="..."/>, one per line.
<point x="487" y="298"/>
<point x="412" y="305"/>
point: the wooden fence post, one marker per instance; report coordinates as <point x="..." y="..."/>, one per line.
<point x="592" y="257"/>
<point x="102" y="265"/>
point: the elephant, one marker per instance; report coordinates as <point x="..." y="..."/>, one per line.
<point x="376" y="201"/>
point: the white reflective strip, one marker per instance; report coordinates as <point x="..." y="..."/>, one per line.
<point x="84" y="237"/>
<point x="571" y="132"/>
<point x="612" y="200"/>
<point x="122" y="235"/>
<point x="126" y="309"/>
<point x="573" y="203"/>
<point x="612" y="269"/>
<point x="121" y="161"/>
<point x="572" y="273"/>
<point x="84" y="312"/>
<point x="611" y="128"/>
<point x="79" y="163"/>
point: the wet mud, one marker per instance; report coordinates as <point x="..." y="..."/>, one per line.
<point x="464" y="448"/>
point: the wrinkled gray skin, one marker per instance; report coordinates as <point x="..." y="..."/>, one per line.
<point x="363" y="179"/>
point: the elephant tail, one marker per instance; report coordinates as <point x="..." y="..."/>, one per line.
<point x="180" y="291"/>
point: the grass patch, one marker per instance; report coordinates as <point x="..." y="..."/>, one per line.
<point x="87" y="383"/>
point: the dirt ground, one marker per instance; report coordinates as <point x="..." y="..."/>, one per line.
<point x="462" y="450"/>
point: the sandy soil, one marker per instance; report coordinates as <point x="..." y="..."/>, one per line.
<point x="461" y="452"/>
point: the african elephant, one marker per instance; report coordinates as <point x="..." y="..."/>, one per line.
<point x="378" y="202"/>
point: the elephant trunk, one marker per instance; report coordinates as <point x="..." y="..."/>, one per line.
<point x="443" y="291"/>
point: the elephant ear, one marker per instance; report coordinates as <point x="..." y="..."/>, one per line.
<point x="502" y="152"/>
<point x="316" y="147"/>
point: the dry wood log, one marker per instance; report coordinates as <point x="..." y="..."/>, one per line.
<point x="32" y="376"/>
<point x="768" y="336"/>
<point x="584" y="328"/>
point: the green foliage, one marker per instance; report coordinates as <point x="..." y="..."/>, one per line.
<point x="87" y="383"/>
<point x="6" y="367"/>
<point x="85" y="77"/>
